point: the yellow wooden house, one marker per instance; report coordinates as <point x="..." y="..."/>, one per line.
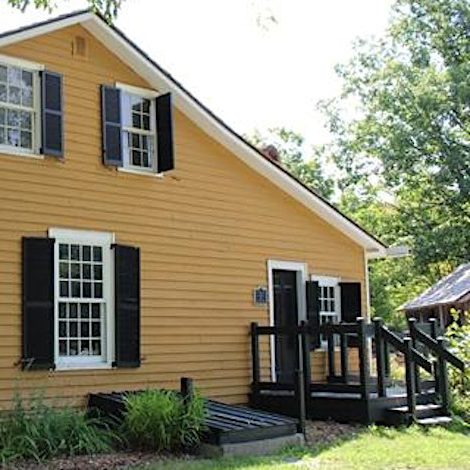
<point x="140" y="236"/>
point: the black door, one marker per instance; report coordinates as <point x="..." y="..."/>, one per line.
<point x="285" y="314"/>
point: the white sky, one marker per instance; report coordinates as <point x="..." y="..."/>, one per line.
<point x="250" y="76"/>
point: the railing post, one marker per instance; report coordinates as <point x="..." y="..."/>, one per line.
<point x="410" y="378"/>
<point x="299" y="391"/>
<point x="414" y="343"/>
<point x="344" y="357"/>
<point x="255" y="358"/>
<point x="380" y="357"/>
<point x="364" y="372"/>
<point x="387" y="359"/>
<point x="331" y="356"/>
<point x="443" y="378"/>
<point x="186" y="389"/>
<point x="306" y="356"/>
<point x="433" y="323"/>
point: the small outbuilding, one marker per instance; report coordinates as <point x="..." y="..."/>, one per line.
<point x="453" y="291"/>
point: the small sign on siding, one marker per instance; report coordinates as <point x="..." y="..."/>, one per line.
<point x="260" y="296"/>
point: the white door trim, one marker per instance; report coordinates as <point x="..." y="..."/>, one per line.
<point x="302" y="273"/>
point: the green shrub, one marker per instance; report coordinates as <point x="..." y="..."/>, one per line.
<point x="39" y="431"/>
<point x="161" y="420"/>
<point x="458" y="334"/>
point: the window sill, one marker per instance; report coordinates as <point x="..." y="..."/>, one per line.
<point x="131" y="171"/>
<point x="19" y="153"/>
<point x="75" y="367"/>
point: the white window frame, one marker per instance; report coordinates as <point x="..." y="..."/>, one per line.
<point x="301" y="271"/>
<point x="83" y="237"/>
<point x="35" y="69"/>
<point x="329" y="281"/>
<point x="150" y="95"/>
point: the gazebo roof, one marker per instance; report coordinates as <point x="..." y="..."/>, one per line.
<point x="446" y="291"/>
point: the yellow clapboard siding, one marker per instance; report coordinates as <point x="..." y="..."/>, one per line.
<point x="206" y="231"/>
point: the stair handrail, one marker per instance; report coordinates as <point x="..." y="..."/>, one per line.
<point x="437" y="346"/>
<point x="413" y="360"/>
<point x="434" y="345"/>
<point x="399" y="344"/>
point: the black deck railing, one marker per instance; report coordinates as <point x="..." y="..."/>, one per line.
<point x="419" y="349"/>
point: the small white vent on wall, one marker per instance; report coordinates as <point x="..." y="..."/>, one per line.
<point x="80" y="47"/>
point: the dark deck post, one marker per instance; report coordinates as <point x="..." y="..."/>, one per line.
<point x="306" y="357"/>
<point x="433" y="323"/>
<point x="299" y="391"/>
<point x="344" y="357"/>
<point x="380" y="357"/>
<point x="414" y="344"/>
<point x="331" y="356"/>
<point x="363" y="358"/>
<point x="387" y="359"/>
<point x="187" y="389"/>
<point x="443" y="378"/>
<point x="410" y="378"/>
<point x="255" y="358"/>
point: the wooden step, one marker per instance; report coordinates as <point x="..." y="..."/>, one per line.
<point x="422" y="411"/>
<point x="400" y="415"/>
<point x="435" y="421"/>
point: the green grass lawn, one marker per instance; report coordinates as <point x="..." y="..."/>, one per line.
<point x="375" y="448"/>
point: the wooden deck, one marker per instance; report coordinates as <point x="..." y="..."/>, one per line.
<point x="367" y="398"/>
<point x="226" y="424"/>
<point x="343" y="407"/>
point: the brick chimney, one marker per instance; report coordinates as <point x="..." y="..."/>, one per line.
<point x="271" y="152"/>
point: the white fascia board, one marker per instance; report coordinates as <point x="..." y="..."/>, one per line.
<point x="41" y="29"/>
<point x="185" y="103"/>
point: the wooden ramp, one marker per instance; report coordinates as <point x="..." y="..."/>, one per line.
<point x="226" y="424"/>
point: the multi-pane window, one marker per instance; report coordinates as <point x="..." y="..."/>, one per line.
<point x="82" y="300"/>
<point x="138" y="124"/>
<point x="17" y="107"/>
<point x="329" y="302"/>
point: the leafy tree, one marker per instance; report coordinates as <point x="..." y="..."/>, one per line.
<point x="297" y="158"/>
<point x="392" y="281"/>
<point x="410" y="130"/>
<point x="108" y="8"/>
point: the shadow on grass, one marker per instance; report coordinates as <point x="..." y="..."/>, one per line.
<point x="312" y="450"/>
<point x="287" y="456"/>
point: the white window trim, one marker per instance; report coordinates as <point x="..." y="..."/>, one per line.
<point x="23" y="63"/>
<point x="97" y="238"/>
<point x="151" y="95"/>
<point x="144" y="92"/>
<point x="330" y="281"/>
<point x="35" y="68"/>
<point x="301" y="270"/>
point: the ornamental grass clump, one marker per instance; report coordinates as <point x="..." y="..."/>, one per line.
<point x="161" y="420"/>
<point x="39" y="431"/>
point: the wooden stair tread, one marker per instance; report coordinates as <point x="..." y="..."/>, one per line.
<point x="435" y="420"/>
<point x="426" y="407"/>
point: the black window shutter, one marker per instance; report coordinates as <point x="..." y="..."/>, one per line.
<point x="111" y="125"/>
<point x="38" y="303"/>
<point x="52" y="115"/>
<point x="351" y="305"/>
<point x="165" y="157"/>
<point x="127" y="297"/>
<point x="313" y="312"/>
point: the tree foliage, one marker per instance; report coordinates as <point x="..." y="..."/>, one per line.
<point x="299" y="159"/>
<point x="410" y="131"/>
<point x="108" y="8"/>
